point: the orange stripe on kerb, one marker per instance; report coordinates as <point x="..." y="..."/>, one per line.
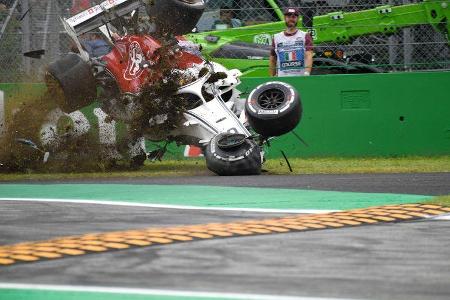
<point x="431" y="206"/>
<point x="138" y="243"/>
<point x="434" y="212"/>
<point x="120" y="240"/>
<point x="6" y="261"/>
<point x="71" y="251"/>
<point x="24" y="257"/>
<point x="46" y="254"/>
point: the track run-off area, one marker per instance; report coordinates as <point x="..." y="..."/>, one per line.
<point x="187" y="240"/>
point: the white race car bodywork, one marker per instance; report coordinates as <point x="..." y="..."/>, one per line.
<point x="214" y="116"/>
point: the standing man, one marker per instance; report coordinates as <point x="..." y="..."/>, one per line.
<point x="292" y="49"/>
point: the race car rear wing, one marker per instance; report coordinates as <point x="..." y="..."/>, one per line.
<point x="102" y="14"/>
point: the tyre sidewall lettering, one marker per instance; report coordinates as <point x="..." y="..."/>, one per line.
<point x="255" y="108"/>
<point x="233" y="158"/>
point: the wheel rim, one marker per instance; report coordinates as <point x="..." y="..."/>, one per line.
<point x="230" y="141"/>
<point x="271" y="99"/>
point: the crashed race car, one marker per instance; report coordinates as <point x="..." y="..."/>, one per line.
<point x="160" y="86"/>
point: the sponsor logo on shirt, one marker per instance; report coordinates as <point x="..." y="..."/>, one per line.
<point x="291" y="64"/>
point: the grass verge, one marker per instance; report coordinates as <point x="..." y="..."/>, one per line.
<point x="336" y="165"/>
<point x="441" y="200"/>
<point x="197" y="167"/>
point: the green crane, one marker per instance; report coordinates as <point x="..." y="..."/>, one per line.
<point x="336" y="27"/>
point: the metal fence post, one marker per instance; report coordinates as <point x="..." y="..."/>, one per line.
<point x="408" y="47"/>
<point x="26" y="36"/>
<point x="2" y="113"/>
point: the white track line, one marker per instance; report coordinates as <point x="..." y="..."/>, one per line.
<point x="445" y="217"/>
<point x="155" y="292"/>
<point x="151" y="205"/>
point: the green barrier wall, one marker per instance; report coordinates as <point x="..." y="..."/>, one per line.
<point x="357" y="115"/>
<point x="369" y="115"/>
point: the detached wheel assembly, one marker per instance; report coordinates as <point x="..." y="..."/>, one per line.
<point x="70" y="79"/>
<point x="273" y="109"/>
<point x="233" y="154"/>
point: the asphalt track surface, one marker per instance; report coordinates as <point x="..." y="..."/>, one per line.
<point x="408" y="260"/>
<point x="418" y="184"/>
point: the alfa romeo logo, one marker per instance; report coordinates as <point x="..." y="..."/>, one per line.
<point x="135" y="58"/>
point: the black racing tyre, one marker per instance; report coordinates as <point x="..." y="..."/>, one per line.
<point x="232" y="154"/>
<point x="175" y="17"/>
<point x="273" y="108"/>
<point x="74" y="77"/>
